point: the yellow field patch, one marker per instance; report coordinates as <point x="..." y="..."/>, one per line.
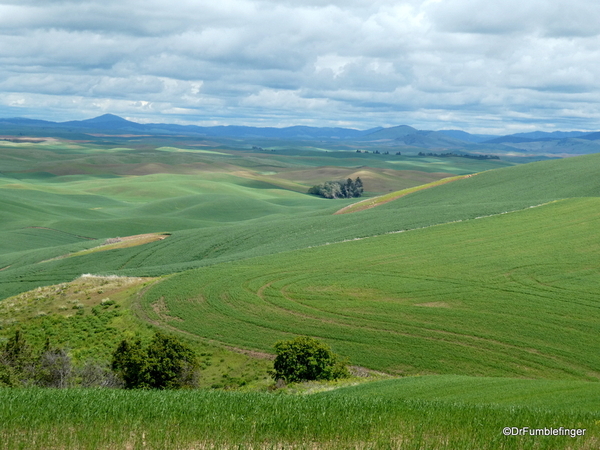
<point x="383" y="199"/>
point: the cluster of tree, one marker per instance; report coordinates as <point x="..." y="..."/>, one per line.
<point x="260" y="149"/>
<point x="339" y="189"/>
<point x="377" y="152"/>
<point x="306" y="359"/>
<point x="166" y="363"/>
<point x="442" y="155"/>
<point x="22" y="365"/>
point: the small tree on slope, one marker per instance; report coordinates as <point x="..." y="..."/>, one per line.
<point x="304" y="359"/>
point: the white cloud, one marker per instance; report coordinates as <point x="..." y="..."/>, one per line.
<point x="432" y="64"/>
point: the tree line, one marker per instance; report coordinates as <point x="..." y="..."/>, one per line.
<point x="165" y="363"/>
<point x="339" y="189"/>
<point x="446" y="155"/>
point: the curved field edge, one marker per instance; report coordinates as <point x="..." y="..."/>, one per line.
<point x="382" y="199"/>
<point x="90" y="419"/>
<point x="490" y="297"/>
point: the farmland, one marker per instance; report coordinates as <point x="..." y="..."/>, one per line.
<point x="470" y="285"/>
<point x="331" y="420"/>
<point x="396" y="303"/>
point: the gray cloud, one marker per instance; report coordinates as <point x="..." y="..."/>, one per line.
<point x="474" y="64"/>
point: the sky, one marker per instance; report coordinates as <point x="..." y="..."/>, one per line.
<point x="496" y="67"/>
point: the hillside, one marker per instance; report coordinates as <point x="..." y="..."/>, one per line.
<point x="479" y="301"/>
<point x="59" y="198"/>
<point x="195" y="241"/>
<point x="471" y="294"/>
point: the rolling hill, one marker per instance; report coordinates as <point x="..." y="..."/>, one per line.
<point x="478" y="295"/>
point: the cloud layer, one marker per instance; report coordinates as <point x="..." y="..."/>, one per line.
<point x="481" y="66"/>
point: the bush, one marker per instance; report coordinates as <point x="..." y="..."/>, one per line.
<point x="304" y="359"/>
<point x="166" y="363"/>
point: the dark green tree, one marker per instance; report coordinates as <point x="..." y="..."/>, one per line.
<point x="17" y="362"/>
<point x="171" y="364"/>
<point x="338" y="189"/>
<point x="166" y="363"/>
<point x="129" y="363"/>
<point x="305" y="358"/>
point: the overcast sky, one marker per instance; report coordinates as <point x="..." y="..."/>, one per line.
<point x="499" y="66"/>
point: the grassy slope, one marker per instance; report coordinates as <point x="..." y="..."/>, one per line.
<point x="549" y="394"/>
<point x="291" y="228"/>
<point x="491" y="297"/>
<point x="521" y="305"/>
<point x="72" y="193"/>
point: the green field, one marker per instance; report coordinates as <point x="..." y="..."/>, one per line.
<point x="489" y="297"/>
<point x="343" y="419"/>
<point x="478" y="296"/>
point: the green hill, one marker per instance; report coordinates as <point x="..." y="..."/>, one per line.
<point x="268" y="221"/>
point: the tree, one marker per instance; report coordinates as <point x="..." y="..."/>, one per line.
<point x="338" y="189"/>
<point x="53" y="368"/>
<point x="305" y="358"/>
<point x="17" y="363"/>
<point x="171" y="364"/>
<point x="166" y="363"/>
<point x="129" y="363"/>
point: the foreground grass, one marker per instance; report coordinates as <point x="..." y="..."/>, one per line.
<point x="101" y="419"/>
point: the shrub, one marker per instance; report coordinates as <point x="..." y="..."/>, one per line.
<point x="304" y="359"/>
<point x="166" y="363"/>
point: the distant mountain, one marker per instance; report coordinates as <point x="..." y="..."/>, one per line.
<point x="537" y="135"/>
<point x="409" y="136"/>
<point x="591" y="136"/>
<point x="533" y="143"/>
<point x="106" y="121"/>
<point x="391" y="133"/>
<point x="467" y="137"/>
<point x="511" y="139"/>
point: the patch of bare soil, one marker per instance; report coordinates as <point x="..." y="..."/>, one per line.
<point x="161" y="310"/>
<point x="434" y="305"/>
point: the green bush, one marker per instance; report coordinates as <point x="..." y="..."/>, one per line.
<point x="304" y="359"/>
<point x="166" y="363"/>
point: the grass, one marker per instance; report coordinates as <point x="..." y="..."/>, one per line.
<point x="87" y="419"/>
<point x="564" y="395"/>
<point x="215" y="229"/>
<point x="510" y="299"/>
<point x="91" y="315"/>
<point x="382" y="199"/>
<point x="491" y="297"/>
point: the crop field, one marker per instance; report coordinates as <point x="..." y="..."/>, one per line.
<point x="92" y="419"/>
<point x="557" y="395"/>
<point x="210" y="228"/>
<point x="482" y="297"/>
<point x="471" y="284"/>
